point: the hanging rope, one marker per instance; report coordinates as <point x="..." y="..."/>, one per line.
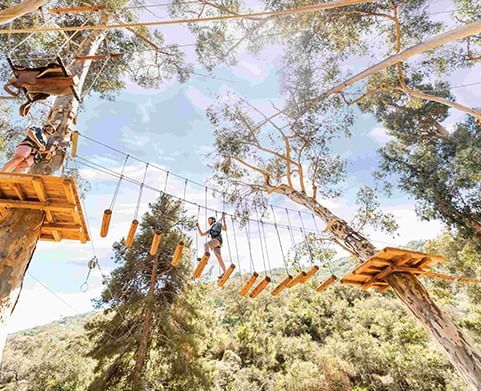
<point x="248" y="229"/>
<point x="139" y="199"/>
<point x="280" y="241"/>
<point x="197" y="234"/>
<point x="116" y="192"/>
<point x="306" y="240"/>
<point x="267" y="249"/>
<point x="293" y="242"/>
<point x="236" y="249"/>
<point x="328" y="261"/>
<point x="260" y="240"/>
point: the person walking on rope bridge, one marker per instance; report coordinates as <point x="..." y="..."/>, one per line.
<point x="215" y="234"/>
<point x="31" y="150"/>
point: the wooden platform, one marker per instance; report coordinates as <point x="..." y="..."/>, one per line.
<point x="374" y="271"/>
<point x="57" y="196"/>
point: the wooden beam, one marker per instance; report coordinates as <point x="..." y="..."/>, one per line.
<point x="61" y="227"/>
<point x="41" y="195"/>
<point x="97" y="57"/>
<point x="18" y="191"/>
<point x="77" y="10"/>
<point x="36" y="205"/>
<point x="69" y="193"/>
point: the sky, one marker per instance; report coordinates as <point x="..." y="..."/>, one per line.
<point x="168" y="128"/>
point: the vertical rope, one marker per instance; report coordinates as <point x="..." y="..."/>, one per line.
<point x="248" y="230"/>
<point x="329" y="266"/>
<point x="260" y="239"/>
<point x="116" y="192"/>
<point x="280" y="241"/>
<point x="267" y="250"/>
<point x="303" y="230"/>
<point x="291" y="234"/>
<point x="197" y="233"/>
<point x="166" y="180"/>
<point x="205" y="209"/>
<point x="139" y="199"/>
<point x="236" y="248"/>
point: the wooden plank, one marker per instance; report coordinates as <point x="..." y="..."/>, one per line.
<point x="61" y="227"/>
<point x="68" y="189"/>
<point x="56" y="235"/>
<point x="18" y="191"/>
<point x="35" y="205"/>
<point x="42" y="196"/>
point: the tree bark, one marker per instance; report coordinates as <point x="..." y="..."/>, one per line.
<point x="20" y="229"/>
<point x="442" y="39"/>
<point x="460" y="350"/>
<point x="464" y="357"/>
<point x="25" y="7"/>
<point x="146" y="331"/>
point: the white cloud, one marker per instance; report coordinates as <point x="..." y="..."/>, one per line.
<point x="380" y="135"/>
<point x="198" y="99"/>
<point x="38" y="306"/>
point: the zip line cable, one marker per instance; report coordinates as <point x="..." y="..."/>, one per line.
<point x="107" y="171"/>
<point x="285" y="12"/>
<point x="76" y="311"/>
<point x="213" y="190"/>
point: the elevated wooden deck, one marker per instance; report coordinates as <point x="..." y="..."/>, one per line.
<point x="57" y="196"/>
<point x="373" y="272"/>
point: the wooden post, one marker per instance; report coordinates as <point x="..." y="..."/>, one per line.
<point x="146" y="330"/>
<point x="177" y="254"/>
<point x="248" y="284"/>
<point x="74" y="143"/>
<point x="281" y="286"/>
<point x="201" y="265"/>
<point x="104" y="228"/>
<point x="310" y="273"/>
<point x="155" y="243"/>
<point x="226" y="275"/>
<point x="326" y="284"/>
<point x="297" y="280"/>
<point x="260" y="287"/>
<point x="131" y="234"/>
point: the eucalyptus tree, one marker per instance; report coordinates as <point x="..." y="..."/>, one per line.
<point x="287" y="152"/>
<point x="144" y="58"/>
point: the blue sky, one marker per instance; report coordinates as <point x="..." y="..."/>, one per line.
<point x="168" y="127"/>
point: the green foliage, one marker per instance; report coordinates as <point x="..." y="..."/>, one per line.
<point x="343" y="339"/>
<point x="173" y="332"/>
<point x="442" y="174"/>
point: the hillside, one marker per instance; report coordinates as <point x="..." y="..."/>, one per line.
<point x="342" y="339"/>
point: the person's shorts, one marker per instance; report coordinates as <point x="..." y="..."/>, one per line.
<point x="214" y="243"/>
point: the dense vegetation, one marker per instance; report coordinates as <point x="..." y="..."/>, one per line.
<point x="343" y="339"/>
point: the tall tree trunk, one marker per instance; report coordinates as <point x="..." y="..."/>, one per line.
<point x="465" y="358"/>
<point x="146" y="330"/>
<point x="20" y="229"/>
<point x="435" y="42"/>
<point x="25" y="7"/>
<point x="461" y="352"/>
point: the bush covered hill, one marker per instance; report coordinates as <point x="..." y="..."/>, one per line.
<point x="342" y="339"/>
